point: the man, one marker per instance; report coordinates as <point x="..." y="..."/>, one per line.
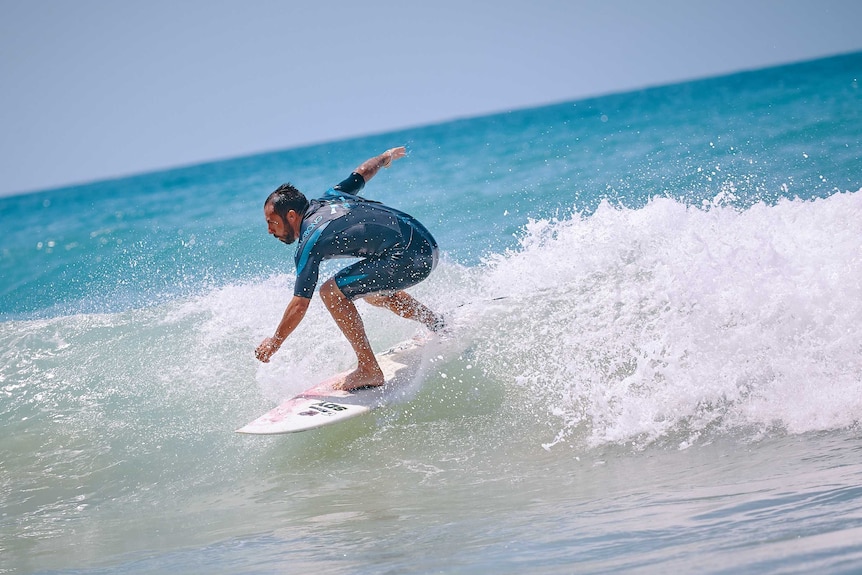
<point x="397" y="252"/>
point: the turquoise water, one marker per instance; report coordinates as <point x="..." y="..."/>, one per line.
<point x="672" y="383"/>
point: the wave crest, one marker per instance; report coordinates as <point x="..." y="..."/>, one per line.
<point x="668" y="321"/>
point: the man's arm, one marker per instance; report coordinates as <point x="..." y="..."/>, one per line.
<point x="292" y="316"/>
<point x="372" y="165"/>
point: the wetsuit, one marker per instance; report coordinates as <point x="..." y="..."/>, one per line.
<point x="397" y="250"/>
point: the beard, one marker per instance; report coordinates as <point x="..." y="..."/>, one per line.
<point x="289" y="237"/>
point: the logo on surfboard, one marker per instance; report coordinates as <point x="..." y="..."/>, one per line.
<point x="324" y="408"/>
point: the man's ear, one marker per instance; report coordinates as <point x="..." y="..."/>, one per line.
<point x="294" y="219"/>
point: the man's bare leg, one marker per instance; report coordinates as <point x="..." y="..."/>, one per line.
<point x="408" y="307"/>
<point x="368" y="372"/>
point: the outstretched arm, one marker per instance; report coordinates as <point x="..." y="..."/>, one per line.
<point x="372" y="165"/>
<point x="292" y="316"/>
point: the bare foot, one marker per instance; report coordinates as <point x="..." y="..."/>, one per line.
<point x="357" y="379"/>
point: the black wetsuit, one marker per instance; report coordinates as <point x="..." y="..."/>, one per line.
<point x="397" y="250"/>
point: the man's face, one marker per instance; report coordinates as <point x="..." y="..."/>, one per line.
<point x="279" y="227"/>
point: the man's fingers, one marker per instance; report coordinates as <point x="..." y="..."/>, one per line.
<point x="264" y="351"/>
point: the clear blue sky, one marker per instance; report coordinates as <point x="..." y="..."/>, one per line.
<point x="100" y="88"/>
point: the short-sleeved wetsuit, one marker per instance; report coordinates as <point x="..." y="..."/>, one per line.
<point x="397" y="250"/>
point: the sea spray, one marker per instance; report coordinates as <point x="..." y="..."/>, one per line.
<point x="672" y="320"/>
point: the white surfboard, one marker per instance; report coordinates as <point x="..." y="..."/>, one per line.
<point x="322" y="405"/>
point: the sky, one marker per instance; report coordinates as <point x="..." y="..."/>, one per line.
<point x="95" y="89"/>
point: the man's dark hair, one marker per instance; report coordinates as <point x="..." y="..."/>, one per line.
<point x="287" y="198"/>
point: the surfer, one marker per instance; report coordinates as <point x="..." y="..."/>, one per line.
<point x="396" y="250"/>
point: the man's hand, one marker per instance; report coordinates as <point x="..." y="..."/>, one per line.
<point x="393" y="154"/>
<point x="266" y="349"/>
<point x="292" y="316"/>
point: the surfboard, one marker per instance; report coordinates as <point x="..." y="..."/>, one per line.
<point x="323" y="405"/>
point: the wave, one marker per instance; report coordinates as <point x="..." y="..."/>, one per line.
<point x="672" y="321"/>
<point x="667" y="323"/>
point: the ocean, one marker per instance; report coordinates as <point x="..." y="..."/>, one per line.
<point x="654" y="362"/>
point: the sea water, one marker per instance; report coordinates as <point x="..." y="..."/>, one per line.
<point x="654" y="362"/>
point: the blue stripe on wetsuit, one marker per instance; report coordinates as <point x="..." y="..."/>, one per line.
<point x="302" y="261"/>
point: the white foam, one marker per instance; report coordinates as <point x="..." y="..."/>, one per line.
<point x="635" y="324"/>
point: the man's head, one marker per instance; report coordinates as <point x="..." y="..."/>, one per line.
<point x="283" y="210"/>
